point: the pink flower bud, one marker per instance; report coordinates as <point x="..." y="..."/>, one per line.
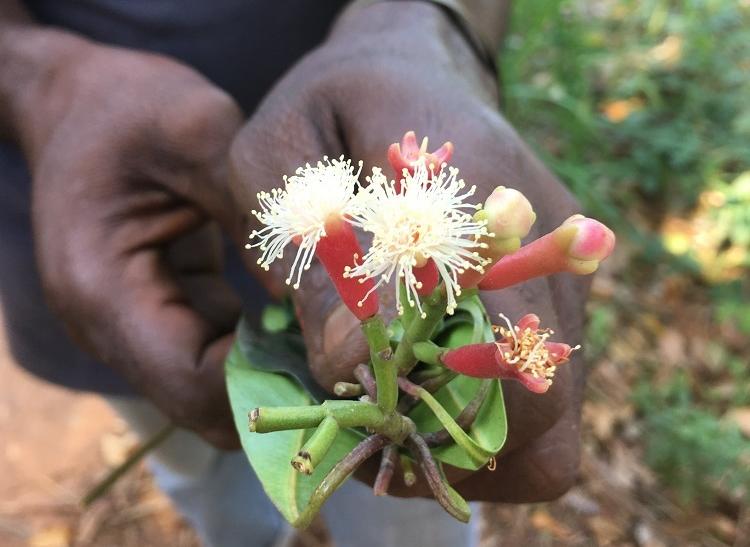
<point x="578" y="245"/>
<point x="338" y="250"/>
<point x="591" y="243"/>
<point x="408" y="154"/>
<point x="509" y="218"/>
<point x="508" y="213"/>
<point x="521" y="353"/>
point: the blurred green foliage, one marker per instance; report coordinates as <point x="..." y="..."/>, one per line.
<point x="642" y="107"/>
<point x="699" y="456"/>
<point x="629" y="99"/>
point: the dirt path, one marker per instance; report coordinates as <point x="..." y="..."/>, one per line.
<point x="55" y="444"/>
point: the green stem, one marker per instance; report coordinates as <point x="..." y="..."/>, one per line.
<point x="465" y="419"/>
<point x="317" y="446"/>
<point x="339" y="474"/>
<point x="355" y="414"/>
<point x="410" y="312"/>
<point x="477" y="454"/>
<point x="346" y="413"/>
<point x="115" y="474"/>
<point x="420" y="330"/>
<point x="428" y="352"/>
<point x="279" y="418"/>
<point x="381" y="356"/>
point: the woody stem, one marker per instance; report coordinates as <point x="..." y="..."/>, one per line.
<point x="340" y="473"/>
<point x="446" y="496"/>
<point x="387" y="468"/>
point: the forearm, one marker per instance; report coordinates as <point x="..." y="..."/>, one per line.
<point x="30" y="54"/>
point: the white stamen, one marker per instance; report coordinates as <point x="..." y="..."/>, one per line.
<point x="422" y="217"/>
<point x="511" y="329"/>
<point x="300" y="211"/>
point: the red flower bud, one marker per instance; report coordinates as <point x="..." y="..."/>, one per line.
<point x="578" y="245"/>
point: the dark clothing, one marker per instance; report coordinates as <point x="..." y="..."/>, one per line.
<point x="243" y="46"/>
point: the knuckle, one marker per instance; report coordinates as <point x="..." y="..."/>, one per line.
<point x="201" y="123"/>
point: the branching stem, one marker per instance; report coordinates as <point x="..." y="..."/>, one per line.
<point x="364" y="376"/>
<point x="444" y="494"/>
<point x="339" y="474"/>
<point x="383" y="363"/>
<point x="464" y="420"/>
<point x="387" y="468"/>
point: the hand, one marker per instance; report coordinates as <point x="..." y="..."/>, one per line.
<point x="127" y="152"/>
<point x="386" y="69"/>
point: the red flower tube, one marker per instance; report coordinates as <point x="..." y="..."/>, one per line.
<point x="312" y="211"/>
<point x="338" y="250"/>
<point x="427" y="278"/>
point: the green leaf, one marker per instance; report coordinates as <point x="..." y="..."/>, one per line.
<point x="261" y="374"/>
<point x="278" y="352"/>
<point x="489" y="431"/>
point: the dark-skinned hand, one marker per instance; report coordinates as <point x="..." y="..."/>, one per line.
<point x="128" y="155"/>
<point x="386" y="69"/>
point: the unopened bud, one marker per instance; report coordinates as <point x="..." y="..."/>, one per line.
<point x="508" y="213"/>
<point x="588" y="242"/>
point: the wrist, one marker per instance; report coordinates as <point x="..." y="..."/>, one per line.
<point x="417" y="30"/>
<point x="482" y="24"/>
<point x="31" y="57"/>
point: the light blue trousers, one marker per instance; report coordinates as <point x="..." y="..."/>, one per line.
<point x="223" y="499"/>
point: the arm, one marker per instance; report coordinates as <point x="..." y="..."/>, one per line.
<point x="127" y="153"/>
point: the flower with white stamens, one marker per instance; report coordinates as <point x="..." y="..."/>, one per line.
<point x="422" y="218"/>
<point x="313" y="196"/>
